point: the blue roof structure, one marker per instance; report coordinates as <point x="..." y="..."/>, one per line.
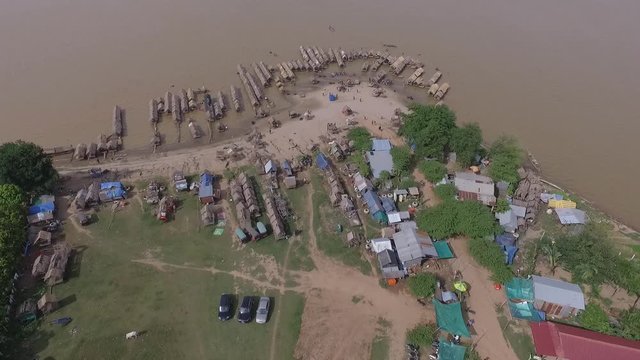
<point x="206" y="185"/>
<point x="111" y="185"/>
<point x="42" y="208"/>
<point x="381" y="145"/>
<point x="286" y="167"/>
<point x="113" y="194"/>
<point x="322" y="161"/>
<point x="388" y="204"/>
<point x="373" y="202"/>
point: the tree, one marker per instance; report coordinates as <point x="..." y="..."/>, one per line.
<point x="422" y="285"/>
<point x="502" y="205"/>
<point x="429" y="128"/>
<point x="552" y="254"/>
<point x="475" y="220"/>
<point x="25" y="165"/>
<point x="466" y="141"/>
<point x="594" y="318"/>
<point x="489" y="254"/>
<point x="446" y="191"/>
<point x="506" y="157"/>
<point x="402" y="159"/>
<point x="361" y="138"/>
<point x="433" y="170"/>
<point x="384" y="176"/>
<point x="361" y="164"/>
<point x="588" y="256"/>
<point x="439" y="221"/>
<point x="422" y="335"/>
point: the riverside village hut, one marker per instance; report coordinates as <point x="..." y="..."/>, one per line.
<point x="205" y="191"/>
<point x="557" y="298"/>
<point x="475" y="187"/>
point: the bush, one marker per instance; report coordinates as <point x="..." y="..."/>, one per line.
<point x="402" y="159"/>
<point x="488" y="254"/>
<point x="446" y="191"/>
<point x="594" y="318"/>
<point x="630" y="321"/>
<point x="361" y="138"/>
<point x="502" y="205"/>
<point x="422" y="285"/>
<point x="429" y="127"/>
<point x="423" y="335"/>
<point x="26" y="166"/>
<point x="451" y="218"/>
<point x="433" y="170"/>
<point x="362" y="165"/>
<point x="466" y="141"/>
<point x="506" y="157"/>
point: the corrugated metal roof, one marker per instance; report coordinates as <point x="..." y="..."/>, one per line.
<point x="469" y="182"/>
<point x="380" y="244"/>
<point x="394" y="217"/>
<point x="381" y="145"/>
<point x="410" y="245"/>
<point x="571" y="216"/>
<point x="388" y="204"/>
<point x="572" y="343"/>
<point x="373" y="202"/>
<point x="520" y="211"/>
<point x="557" y="292"/>
<point x="379" y="161"/>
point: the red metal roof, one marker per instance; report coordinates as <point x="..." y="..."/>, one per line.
<point x="572" y="343"/>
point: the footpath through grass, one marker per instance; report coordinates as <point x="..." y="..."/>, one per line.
<point x="108" y="295"/>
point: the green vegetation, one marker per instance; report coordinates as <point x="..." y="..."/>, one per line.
<point x="361" y="138"/>
<point x="451" y="218"/>
<point x="433" y="170"/>
<point x="502" y="205"/>
<point x="26" y="166"/>
<point x="630" y="322"/>
<point x="422" y="285"/>
<point x="360" y="162"/>
<point x="380" y="348"/>
<point x="519" y="339"/>
<point x="326" y="220"/>
<point x="595" y="318"/>
<point x="422" y="335"/>
<point x="472" y="354"/>
<point x="446" y="191"/>
<point x="402" y="160"/>
<point x="466" y="141"/>
<point x="12" y="235"/>
<point x="429" y="127"/>
<point x="506" y="157"/>
<point x="489" y="255"/>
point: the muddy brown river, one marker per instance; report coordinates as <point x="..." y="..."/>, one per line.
<point x="562" y="76"/>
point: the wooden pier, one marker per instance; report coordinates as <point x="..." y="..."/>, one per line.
<point x="117" y="120"/>
<point x="153" y="111"/>
<point x="235" y="98"/>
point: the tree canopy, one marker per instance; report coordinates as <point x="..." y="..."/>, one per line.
<point x="466" y="141"/>
<point x="362" y="165"/>
<point x="361" y="138"/>
<point x="25" y="165"/>
<point x="433" y="170"/>
<point x="423" y="335"/>
<point x="429" y="127"/>
<point x="594" y="318"/>
<point x="489" y="254"/>
<point x="402" y="159"/>
<point x="422" y="285"/>
<point x="506" y="157"/>
<point x="451" y="218"/>
<point x="445" y="191"/>
<point x="630" y="322"/>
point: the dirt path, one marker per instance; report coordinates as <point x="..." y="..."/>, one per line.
<point x="482" y="300"/>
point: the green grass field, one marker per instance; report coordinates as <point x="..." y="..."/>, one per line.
<point x="108" y="295"/>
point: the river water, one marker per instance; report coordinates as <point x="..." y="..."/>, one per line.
<point x="561" y="76"/>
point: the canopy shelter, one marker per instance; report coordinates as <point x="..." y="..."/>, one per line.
<point x="450" y="351"/>
<point x="443" y="249"/>
<point x="449" y="318"/>
<point x="520" y="298"/>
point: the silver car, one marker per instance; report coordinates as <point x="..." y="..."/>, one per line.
<point x="263" y="310"/>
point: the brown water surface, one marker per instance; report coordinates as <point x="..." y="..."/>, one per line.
<point x="562" y="76"/>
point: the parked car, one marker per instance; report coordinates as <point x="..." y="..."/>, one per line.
<point x="244" y="312"/>
<point x="224" y="310"/>
<point x="263" y="310"/>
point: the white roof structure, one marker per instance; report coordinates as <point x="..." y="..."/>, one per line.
<point x="571" y="216"/>
<point x="380" y="244"/>
<point x="394" y="217"/>
<point x="470" y="182"/>
<point x="557" y="292"/>
<point x="412" y="246"/>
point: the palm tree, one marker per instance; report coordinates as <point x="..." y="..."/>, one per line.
<point x="552" y="254"/>
<point x="585" y="272"/>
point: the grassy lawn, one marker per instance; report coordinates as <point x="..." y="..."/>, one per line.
<point x="380" y="344"/>
<point x="108" y="295"/>
<point x="519" y="340"/>
<point x="326" y="219"/>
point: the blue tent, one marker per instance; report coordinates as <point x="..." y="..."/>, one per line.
<point x="510" y="253"/>
<point x="42" y="208"/>
<point x="506" y="239"/>
<point x="322" y="162"/>
<point x="110" y="185"/>
<point x="333" y="97"/>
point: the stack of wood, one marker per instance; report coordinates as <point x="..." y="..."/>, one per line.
<point x="528" y="194"/>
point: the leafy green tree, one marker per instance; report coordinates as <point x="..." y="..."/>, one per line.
<point x="423" y="335"/>
<point x="585" y="273"/>
<point x="506" y="157"/>
<point x="446" y="191"/>
<point x="362" y="165"/>
<point x="429" y="127"/>
<point x="25" y="165"/>
<point x="588" y="256"/>
<point x="439" y="221"/>
<point x="502" y="205"/>
<point x="472" y="354"/>
<point x="594" y="318"/>
<point x="630" y="322"/>
<point x="422" y="285"/>
<point x="433" y="170"/>
<point x="466" y="141"/>
<point x="402" y="159"/>
<point x="552" y="254"/>
<point x="488" y="254"/>
<point x="475" y="220"/>
<point x="384" y="176"/>
<point x="361" y="138"/>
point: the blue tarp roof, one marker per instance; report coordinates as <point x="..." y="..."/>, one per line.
<point x="322" y="162"/>
<point x="381" y="145"/>
<point x="388" y="204"/>
<point x="110" y="185"/>
<point x="113" y="193"/>
<point x="41" y="208"/>
<point x="506" y="239"/>
<point x="206" y="185"/>
<point x="373" y="202"/>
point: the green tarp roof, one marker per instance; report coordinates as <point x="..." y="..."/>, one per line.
<point x="449" y="318"/>
<point x="450" y="351"/>
<point x="443" y="249"/>
<point x="520" y="298"/>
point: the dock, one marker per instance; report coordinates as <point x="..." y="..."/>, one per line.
<point x="153" y="111"/>
<point x="235" y="98"/>
<point x="168" y="102"/>
<point x="117" y="120"/>
<point x="255" y="101"/>
<point x="260" y="75"/>
<point x="221" y="102"/>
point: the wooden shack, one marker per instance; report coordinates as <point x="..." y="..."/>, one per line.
<point x="81" y="152"/>
<point x="81" y="199"/>
<point x="58" y="264"/>
<point x="43" y="239"/>
<point x="207" y="215"/>
<point x="93" y="194"/>
<point x="40" y="265"/>
<point x="290" y="182"/>
<point x="47" y="303"/>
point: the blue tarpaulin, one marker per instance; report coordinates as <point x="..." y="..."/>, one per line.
<point x="112" y="194"/>
<point x="510" y="252"/>
<point x="388" y="204"/>
<point x="322" y="161"/>
<point x="333" y="97"/>
<point x="109" y="185"/>
<point x="41" y="208"/>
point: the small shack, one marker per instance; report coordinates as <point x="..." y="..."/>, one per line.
<point x="180" y="181"/>
<point x="205" y="191"/>
<point x="47" y="303"/>
<point x="27" y="311"/>
<point x="241" y="235"/>
<point x="389" y="265"/>
<point x="475" y="187"/>
<point x="40" y="265"/>
<point x="261" y="229"/>
<point x="207" y="215"/>
<point x="557" y="298"/>
<point x="290" y="182"/>
<point x="43" y="239"/>
<point x="286" y="168"/>
<point x="58" y="264"/>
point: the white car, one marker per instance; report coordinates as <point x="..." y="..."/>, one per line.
<point x="263" y="310"/>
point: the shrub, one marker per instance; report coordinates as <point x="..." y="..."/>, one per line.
<point x="445" y="191"/>
<point x="361" y="138"/>
<point x="423" y="335"/>
<point x="433" y="170"/>
<point x="422" y="285"/>
<point x="488" y="254"/>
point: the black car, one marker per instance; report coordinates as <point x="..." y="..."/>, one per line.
<point x="244" y="312"/>
<point x="224" y="310"/>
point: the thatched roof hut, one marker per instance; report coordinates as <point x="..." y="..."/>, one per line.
<point x="58" y="264"/>
<point x="40" y="266"/>
<point x="43" y="238"/>
<point x="81" y="152"/>
<point x="47" y="303"/>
